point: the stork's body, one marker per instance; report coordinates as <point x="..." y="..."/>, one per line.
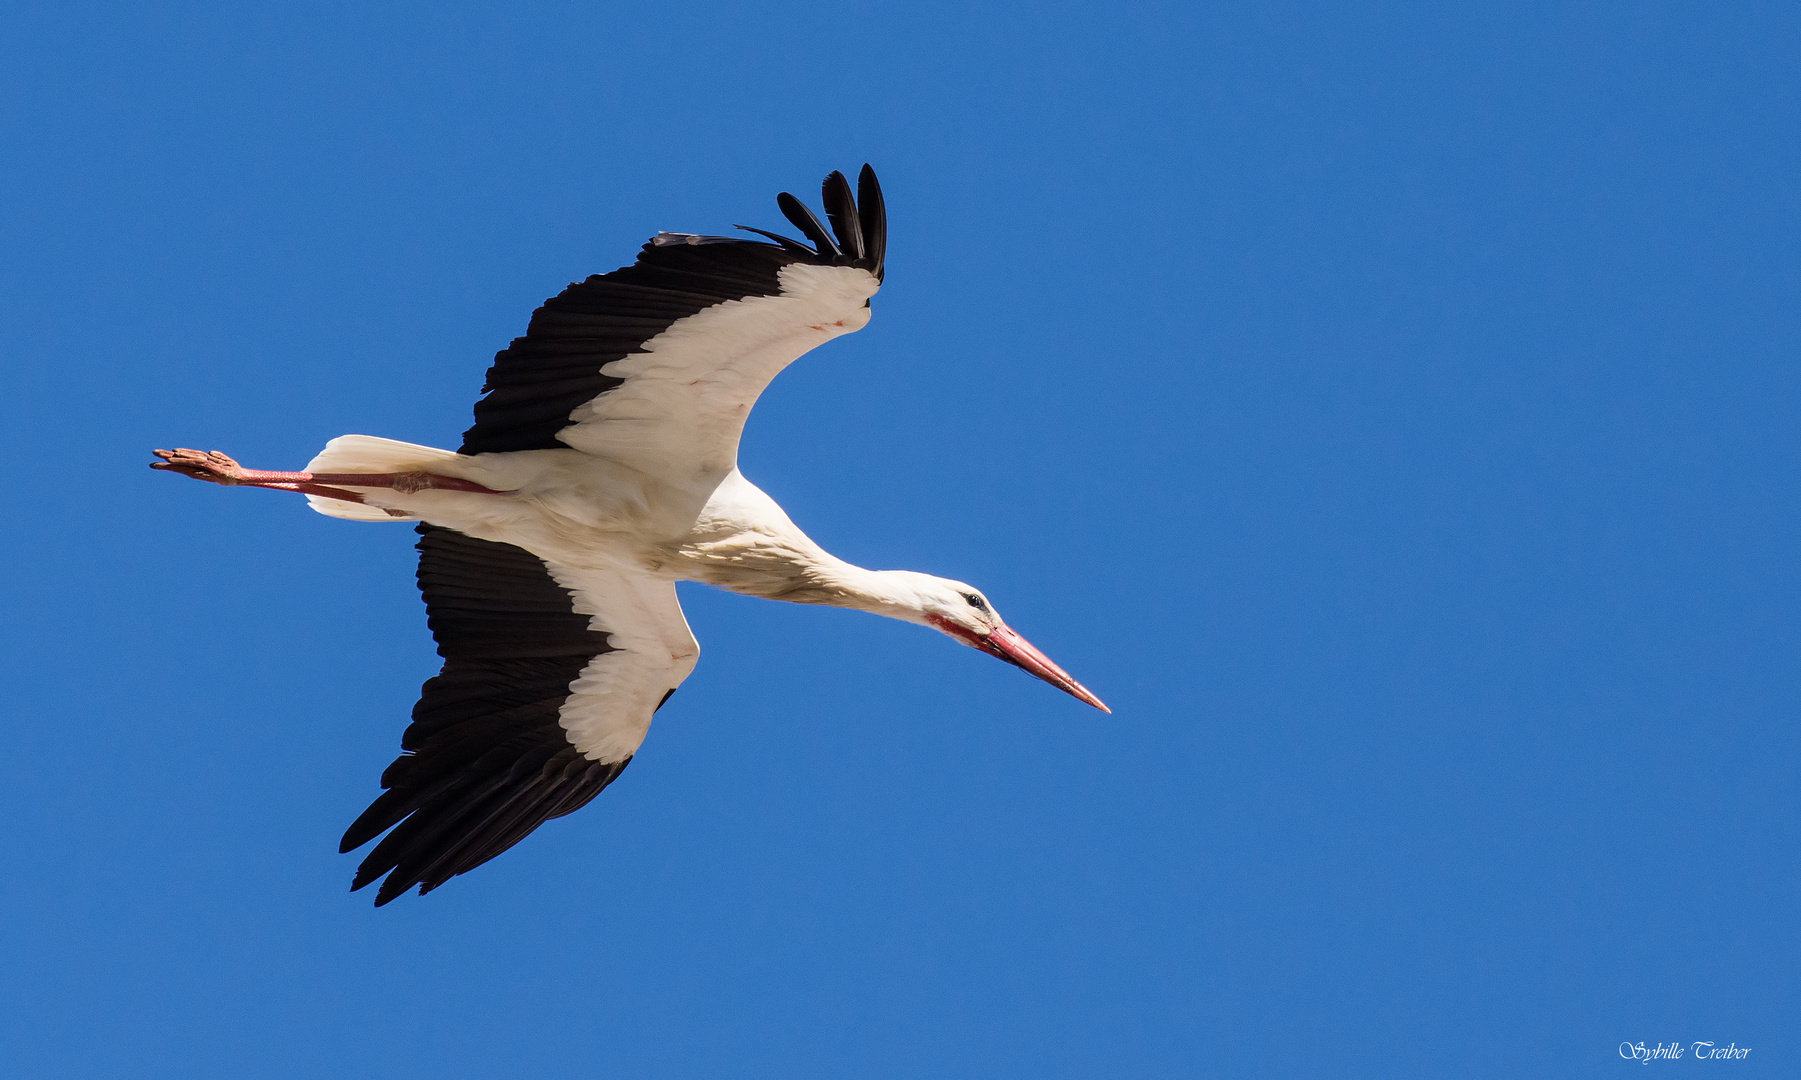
<point x="601" y="470"/>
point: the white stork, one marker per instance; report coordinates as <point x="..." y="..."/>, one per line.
<point x="602" y="469"/>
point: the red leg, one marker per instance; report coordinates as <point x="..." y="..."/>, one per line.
<point x="216" y="468"/>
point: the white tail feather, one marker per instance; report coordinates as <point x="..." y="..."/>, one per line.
<point x="350" y="511"/>
<point x="368" y="453"/>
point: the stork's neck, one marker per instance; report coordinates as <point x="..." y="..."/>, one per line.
<point x="895" y="594"/>
<point x="798" y="571"/>
<point x="745" y="543"/>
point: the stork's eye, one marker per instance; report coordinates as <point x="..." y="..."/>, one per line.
<point x="975" y="601"/>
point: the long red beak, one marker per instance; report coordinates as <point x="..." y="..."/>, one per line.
<point x="1009" y="646"/>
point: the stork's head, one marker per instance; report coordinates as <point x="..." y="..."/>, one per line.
<point x="962" y="612"/>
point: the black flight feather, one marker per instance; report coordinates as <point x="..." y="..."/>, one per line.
<point x="796" y="211"/>
<point x="486" y="759"/>
<point x="841" y="211"/>
<point x="874" y="220"/>
<point x="788" y="244"/>
<point x="543" y="377"/>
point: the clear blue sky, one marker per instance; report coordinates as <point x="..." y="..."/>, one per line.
<point x="1390" y="409"/>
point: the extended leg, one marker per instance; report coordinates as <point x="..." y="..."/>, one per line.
<point x="216" y="468"/>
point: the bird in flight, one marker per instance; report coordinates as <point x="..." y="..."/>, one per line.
<point x="602" y="469"/>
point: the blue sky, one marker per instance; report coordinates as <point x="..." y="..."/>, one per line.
<point x="1389" y="409"/>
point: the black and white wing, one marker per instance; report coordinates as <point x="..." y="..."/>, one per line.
<point x="550" y="678"/>
<point x="658" y="363"/>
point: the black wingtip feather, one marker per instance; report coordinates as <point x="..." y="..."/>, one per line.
<point x="859" y="222"/>
<point x="788" y="244"/>
<point x="841" y="211"/>
<point x="874" y="220"/>
<point x="796" y="211"/>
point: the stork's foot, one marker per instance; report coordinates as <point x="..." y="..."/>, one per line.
<point x="208" y="465"/>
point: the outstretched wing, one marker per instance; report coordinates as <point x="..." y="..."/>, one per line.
<point x="658" y="363"/>
<point x="550" y="678"/>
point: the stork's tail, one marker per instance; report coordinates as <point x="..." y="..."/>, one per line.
<point x="369" y="454"/>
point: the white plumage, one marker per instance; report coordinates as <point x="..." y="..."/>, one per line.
<point x="603" y="469"/>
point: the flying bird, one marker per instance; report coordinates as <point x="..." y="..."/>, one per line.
<point x="602" y="469"/>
